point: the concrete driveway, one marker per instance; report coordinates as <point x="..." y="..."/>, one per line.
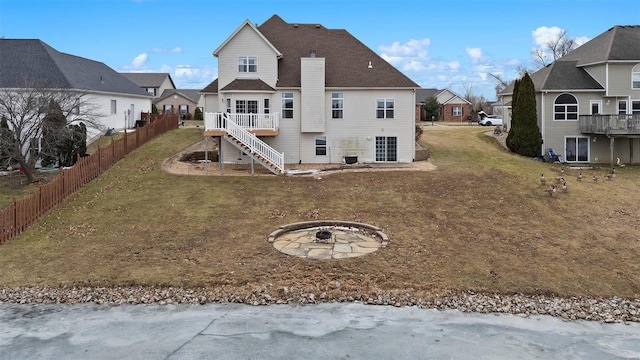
<point x="326" y="331"/>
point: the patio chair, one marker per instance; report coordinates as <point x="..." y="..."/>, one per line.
<point x="553" y="157"/>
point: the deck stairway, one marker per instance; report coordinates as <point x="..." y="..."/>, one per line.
<point x="249" y="143"/>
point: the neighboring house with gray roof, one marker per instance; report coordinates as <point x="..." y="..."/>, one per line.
<point x="31" y="61"/>
<point x="178" y="101"/>
<point x="153" y="83"/>
<point x="311" y="95"/>
<point x="453" y="107"/>
<point x="588" y="101"/>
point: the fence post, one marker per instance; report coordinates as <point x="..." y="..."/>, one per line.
<point x="14" y="230"/>
<point x="126" y="142"/>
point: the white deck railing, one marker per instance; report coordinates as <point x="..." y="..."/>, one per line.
<point x="213" y="121"/>
<point x="222" y="121"/>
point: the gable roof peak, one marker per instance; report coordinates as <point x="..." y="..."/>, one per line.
<point x="254" y="28"/>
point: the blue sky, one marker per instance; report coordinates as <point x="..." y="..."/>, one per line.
<point x="438" y="44"/>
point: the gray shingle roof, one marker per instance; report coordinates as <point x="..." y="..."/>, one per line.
<point x="422" y="94"/>
<point x="149" y="80"/>
<point x="619" y="43"/>
<point x="31" y="62"/>
<point x="190" y="94"/>
<point x="346" y="58"/>
<point x="248" y="84"/>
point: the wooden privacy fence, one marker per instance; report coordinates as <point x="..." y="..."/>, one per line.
<point x="22" y="213"/>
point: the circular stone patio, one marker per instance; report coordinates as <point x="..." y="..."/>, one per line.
<point x="346" y="240"/>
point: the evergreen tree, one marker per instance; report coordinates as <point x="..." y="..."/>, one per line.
<point x="197" y="114"/>
<point x="431" y="108"/>
<point x="6" y="136"/>
<point x="154" y="109"/>
<point x="526" y="139"/>
<point x="514" y="96"/>
<point x="53" y="133"/>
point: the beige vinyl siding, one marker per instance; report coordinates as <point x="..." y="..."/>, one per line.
<point x="620" y="81"/>
<point x="166" y="84"/>
<point x="557" y="131"/>
<point x="354" y="135"/>
<point x="211" y="103"/>
<point x="598" y="72"/>
<point x="247" y="43"/>
<point x="312" y="79"/>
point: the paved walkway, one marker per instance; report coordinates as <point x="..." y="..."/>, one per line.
<point x="327" y="331"/>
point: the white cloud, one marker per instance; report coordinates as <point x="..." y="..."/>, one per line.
<point x="411" y="56"/>
<point x="412" y="48"/>
<point x="474" y="53"/>
<point x="138" y="63"/>
<point x="543" y="35"/>
<point x="187" y="76"/>
<point x="581" y="40"/>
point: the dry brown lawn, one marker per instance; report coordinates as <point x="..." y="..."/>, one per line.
<point x="480" y="222"/>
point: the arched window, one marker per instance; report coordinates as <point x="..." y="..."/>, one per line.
<point x="565" y="108"/>
<point x="635" y="77"/>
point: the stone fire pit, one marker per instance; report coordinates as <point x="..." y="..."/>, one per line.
<point x="328" y="239"/>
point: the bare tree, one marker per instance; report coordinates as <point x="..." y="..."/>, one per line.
<point x="24" y="110"/>
<point x="478" y="102"/>
<point x="502" y="83"/>
<point x="554" y="49"/>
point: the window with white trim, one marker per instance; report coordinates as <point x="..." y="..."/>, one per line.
<point x="337" y="105"/>
<point x="622" y="107"/>
<point x="635" y="106"/>
<point x="576" y="148"/>
<point x="241" y="106"/>
<point x="386" y="148"/>
<point x="384" y="108"/>
<point x="456" y="111"/>
<point x="635" y="77"/>
<point x="321" y="145"/>
<point x="266" y="106"/>
<point x="228" y="106"/>
<point x="287" y="105"/>
<point x="247" y="64"/>
<point x="168" y="109"/>
<point x="565" y="108"/>
<point x="114" y="107"/>
<point x="595" y="107"/>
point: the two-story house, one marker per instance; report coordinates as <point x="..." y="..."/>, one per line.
<point x="154" y="84"/>
<point x="290" y="93"/>
<point x="588" y="102"/>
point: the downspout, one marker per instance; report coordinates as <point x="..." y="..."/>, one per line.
<point x="542" y="120"/>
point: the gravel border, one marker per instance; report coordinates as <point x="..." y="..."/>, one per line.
<point x="609" y="310"/>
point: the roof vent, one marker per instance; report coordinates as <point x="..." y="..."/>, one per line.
<point x="312" y="54"/>
<point x="370" y="66"/>
<point x="317" y="26"/>
<point x="295" y="26"/>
